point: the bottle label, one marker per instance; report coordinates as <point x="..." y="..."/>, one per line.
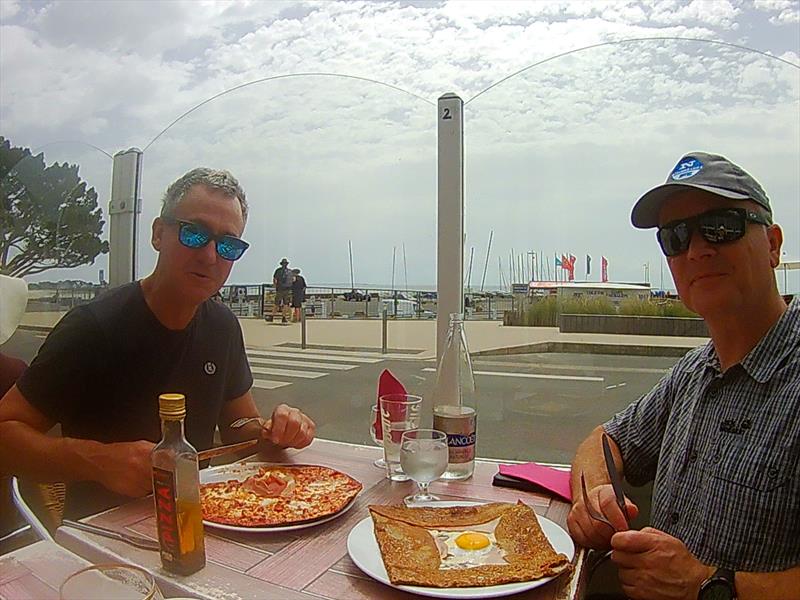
<point x="461" y="447"/>
<point x="166" y="513"/>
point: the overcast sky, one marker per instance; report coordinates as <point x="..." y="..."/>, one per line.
<point x="555" y="156"/>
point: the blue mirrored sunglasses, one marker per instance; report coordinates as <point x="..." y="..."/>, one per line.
<point x="196" y="236"/>
<point x="718" y="226"/>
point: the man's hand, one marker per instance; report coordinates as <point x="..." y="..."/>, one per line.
<point x="591" y="533"/>
<point x="125" y="467"/>
<point x="656" y="566"/>
<point x="289" y="428"/>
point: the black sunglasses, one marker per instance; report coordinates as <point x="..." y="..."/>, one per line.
<point x="718" y="226"/>
<point x="196" y="236"/>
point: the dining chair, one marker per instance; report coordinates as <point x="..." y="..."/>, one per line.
<point x="40" y="504"/>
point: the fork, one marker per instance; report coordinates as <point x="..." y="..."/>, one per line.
<point x="597" y="516"/>
<point x="245" y="420"/>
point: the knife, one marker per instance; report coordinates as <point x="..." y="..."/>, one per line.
<point x="220" y="450"/>
<point x="616" y="480"/>
<point x="134" y="540"/>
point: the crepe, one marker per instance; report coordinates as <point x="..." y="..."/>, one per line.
<point x="406" y="537"/>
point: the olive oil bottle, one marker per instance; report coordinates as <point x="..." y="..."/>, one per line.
<point x="176" y="490"/>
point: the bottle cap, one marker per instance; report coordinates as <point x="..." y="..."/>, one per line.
<point x="172" y="406"/>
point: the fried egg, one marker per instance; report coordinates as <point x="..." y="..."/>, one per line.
<point x="462" y="549"/>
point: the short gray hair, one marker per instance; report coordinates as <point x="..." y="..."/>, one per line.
<point x="211" y="178"/>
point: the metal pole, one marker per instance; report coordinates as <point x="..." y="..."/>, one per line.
<point x="384" y="330"/>
<point x="450" y="223"/>
<point x="303" y="327"/>
<point x="124" y="210"/>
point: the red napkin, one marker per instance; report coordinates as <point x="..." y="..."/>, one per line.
<point x="387" y="384"/>
<point x="551" y="479"/>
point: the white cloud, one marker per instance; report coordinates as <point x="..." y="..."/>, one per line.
<point x="787" y="12"/>
<point x="9" y="8"/>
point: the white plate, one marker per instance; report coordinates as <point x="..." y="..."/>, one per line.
<point x="363" y="549"/>
<point x="240" y="472"/>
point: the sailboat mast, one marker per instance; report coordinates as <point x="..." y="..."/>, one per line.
<point x="352" y="278"/>
<point x="486" y="264"/>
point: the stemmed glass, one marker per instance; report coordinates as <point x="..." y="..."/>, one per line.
<point x="112" y="580"/>
<point x="423" y="456"/>
<point x="380" y="462"/>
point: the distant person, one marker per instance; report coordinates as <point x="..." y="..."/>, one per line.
<point x="282" y="280"/>
<point x="719" y="435"/>
<point x="298" y="294"/>
<point x="102" y="368"/>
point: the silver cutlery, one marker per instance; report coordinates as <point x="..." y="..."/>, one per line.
<point x="133" y="540"/>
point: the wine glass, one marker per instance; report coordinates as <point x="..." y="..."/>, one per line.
<point x="380" y="462"/>
<point x="112" y="580"/>
<point x="423" y="456"/>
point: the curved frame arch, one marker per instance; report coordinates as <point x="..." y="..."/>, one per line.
<point x="629" y="41"/>
<point x="272" y="78"/>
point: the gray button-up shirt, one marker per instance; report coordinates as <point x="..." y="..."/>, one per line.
<point x="723" y="450"/>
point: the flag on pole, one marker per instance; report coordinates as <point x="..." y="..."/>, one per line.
<point x="604" y="269"/>
<point x="588" y="266"/>
<point x="571" y="267"/>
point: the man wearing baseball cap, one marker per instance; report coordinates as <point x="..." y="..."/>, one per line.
<point x="719" y="435"/>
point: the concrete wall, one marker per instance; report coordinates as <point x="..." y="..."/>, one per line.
<point x="634" y="325"/>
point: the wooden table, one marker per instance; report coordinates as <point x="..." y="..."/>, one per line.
<point x="36" y="572"/>
<point x="313" y="562"/>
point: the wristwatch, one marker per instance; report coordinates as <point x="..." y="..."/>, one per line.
<point x="720" y="586"/>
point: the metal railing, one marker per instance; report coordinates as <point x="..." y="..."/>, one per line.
<point x="257" y="300"/>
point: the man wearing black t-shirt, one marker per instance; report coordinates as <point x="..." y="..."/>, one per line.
<point x="101" y="370"/>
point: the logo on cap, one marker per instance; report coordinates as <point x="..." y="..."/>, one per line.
<point x="688" y="167"/>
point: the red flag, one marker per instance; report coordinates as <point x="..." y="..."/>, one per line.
<point x="604" y="270"/>
<point x="571" y="268"/>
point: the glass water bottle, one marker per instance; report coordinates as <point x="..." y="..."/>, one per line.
<point x="454" y="401"/>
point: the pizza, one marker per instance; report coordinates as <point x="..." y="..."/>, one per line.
<point x="278" y="495"/>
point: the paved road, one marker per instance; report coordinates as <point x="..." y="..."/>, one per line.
<point x="529" y="406"/>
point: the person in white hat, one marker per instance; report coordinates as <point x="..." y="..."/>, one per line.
<point x="13" y="300"/>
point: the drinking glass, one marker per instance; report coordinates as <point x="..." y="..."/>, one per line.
<point x="113" y="581"/>
<point x="399" y="413"/>
<point x="423" y="456"/>
<point x="378" y="441"/>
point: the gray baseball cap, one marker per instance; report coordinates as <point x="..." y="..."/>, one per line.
<point x="710" y="172"/>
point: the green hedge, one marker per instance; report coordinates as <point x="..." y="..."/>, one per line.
<point x="544" y="312"/>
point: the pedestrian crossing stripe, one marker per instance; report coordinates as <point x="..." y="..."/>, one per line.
<point x="297" y="363"/>
<point x="312" y="356"/>
<point x="530" y="375"/>
<point x="268" y="384"/>
<point x="288" y="373"/>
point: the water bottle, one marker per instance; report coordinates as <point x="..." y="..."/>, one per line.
<point x="454" y="401"/>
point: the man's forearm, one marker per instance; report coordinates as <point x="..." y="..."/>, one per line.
<point x="589" y="460"/>
<point x="28" y="453"/>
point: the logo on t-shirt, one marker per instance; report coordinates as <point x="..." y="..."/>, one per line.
<point x="210" y="368"/>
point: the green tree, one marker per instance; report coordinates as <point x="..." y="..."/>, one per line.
<point x="49" y="217"/>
